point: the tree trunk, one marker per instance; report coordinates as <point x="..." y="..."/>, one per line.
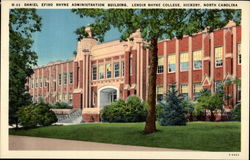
<point x="150" y="126"/>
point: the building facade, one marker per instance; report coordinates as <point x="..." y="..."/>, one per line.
<point x="101" y="73"/>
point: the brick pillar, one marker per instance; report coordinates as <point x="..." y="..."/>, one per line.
<point x="76" y="75"/>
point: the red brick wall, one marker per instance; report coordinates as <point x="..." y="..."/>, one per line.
<point x="77" y="100"/>
<point x="229" y="42"/>
<point x="218" y="38"/>
<point x="197" y="76"/>
<point x="238" y="34"/>
<point x="206" y="46"/>
<point x="206" y="66"/>
<point x="108" y="59"/>
<point x="81" y="74"/>
<point x="183" y="77"/>
<point x="159" y="79"/>
<point x="196" y="42"/>
<point x="171" y="46"/>
<point x="116" y="58"/>
<point x="75" y="75"/>
<point x="218" y="74"/>
<point x="134" y="61"/>
<point x="91" y="117"/>
<point x="126" y="65"/>
<point x="160" y="48"/>
<point x="183" y="45"/>
<point x="229" y="65"/>
<point x="171" y="78"/>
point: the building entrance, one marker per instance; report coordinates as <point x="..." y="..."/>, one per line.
<point x="107" y="96"/>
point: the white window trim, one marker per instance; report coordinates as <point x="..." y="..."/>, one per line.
<point x="168" y="63"/>
<point x="221" y="57"/>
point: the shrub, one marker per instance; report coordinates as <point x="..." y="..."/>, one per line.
<point x="173" y="112"/>
<point x="33" y="115"/>
<point x="133" y="110"/>
<point x="60" y="105"/>
<point x="236" y="113"/>
<point x="188" y="107"/>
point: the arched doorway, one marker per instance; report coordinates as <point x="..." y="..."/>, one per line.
<point x="107" y="95"/>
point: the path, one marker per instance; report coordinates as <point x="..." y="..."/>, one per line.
<point x="37" y="143"/>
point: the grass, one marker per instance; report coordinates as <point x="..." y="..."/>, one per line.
<point x="205" y="136"/>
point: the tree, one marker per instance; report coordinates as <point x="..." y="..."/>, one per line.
<point x="173" y="110"/>
<point x="211" y="102"/>
<point x="22" y="23"/>
<point x="154" y="24"/>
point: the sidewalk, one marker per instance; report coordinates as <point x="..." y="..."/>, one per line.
<point x="37" y="143"/>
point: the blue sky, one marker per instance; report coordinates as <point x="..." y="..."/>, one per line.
<point x="57" y="40"/>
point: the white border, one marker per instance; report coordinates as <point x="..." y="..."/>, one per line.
<point x="6" y="5"/>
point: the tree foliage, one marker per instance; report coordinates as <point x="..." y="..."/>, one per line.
<point x="173" y="110"/>
<point x="154" y="24"/>
<point x="34" y="115"/>
<point x="131" y="110"/>
<point x="210" y="102"/>
<point x="22" y="23"/>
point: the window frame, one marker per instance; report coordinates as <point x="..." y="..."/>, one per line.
<point x="160" y="68"/>
<point x="239" y="56"/>
<point x="194" y="68"/>
<point x="59" y="78"/>
<point x="65" y="78"/>
<point x="107" y="72"/>
<point x="215" y="61"/>
<point x="184" y="62"/>
<point x="99" y="73"/>
<point x="71" y="77"/>
<point x="115" y="70"/>
<point x="94" y="73"/>
<point x="171" y="63"/>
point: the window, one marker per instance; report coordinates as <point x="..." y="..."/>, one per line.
<point x="238" y="93"/>
<point x="159" y="93"/>
<point x="116" y="66"/>
<point x="108" y="70"/>
<point x="218" y="56"/>
<point x="45" y="81"/>
<point x="196" y="90"/>
<point x="65" y="78"/>
<point x="123" y="68"/>
<point x="31" y="83"/>
<point x="171" y="63"/>
<point x="59" y="78"/>
<point x="70" y="77"/>
<point x="218" y="86"/>
<point x="70" y="98"/>
<point x="184" y="90"/>
<point x="160" y="67"/>
<point x="94" y="73"/>
<point x="101" y="71"/>
<point x="131" y="64"/>
<point x="59" y="97"/>
<point x="239" y="53"/>
<point x="171" y="85"/>
<point x="197" y="59"/>
<point x="40" y="82"/>
<point x="36" y="81"/>
<point x="184" y="62"/>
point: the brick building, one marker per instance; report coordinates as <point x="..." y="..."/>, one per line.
<point x="102" y="73"/>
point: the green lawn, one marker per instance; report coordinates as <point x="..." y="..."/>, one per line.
<point x="205" y="136"/>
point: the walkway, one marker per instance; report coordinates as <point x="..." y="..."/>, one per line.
<point x="37" y="143"/>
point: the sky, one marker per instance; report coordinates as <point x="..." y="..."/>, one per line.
<point x="57" y="40"/>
